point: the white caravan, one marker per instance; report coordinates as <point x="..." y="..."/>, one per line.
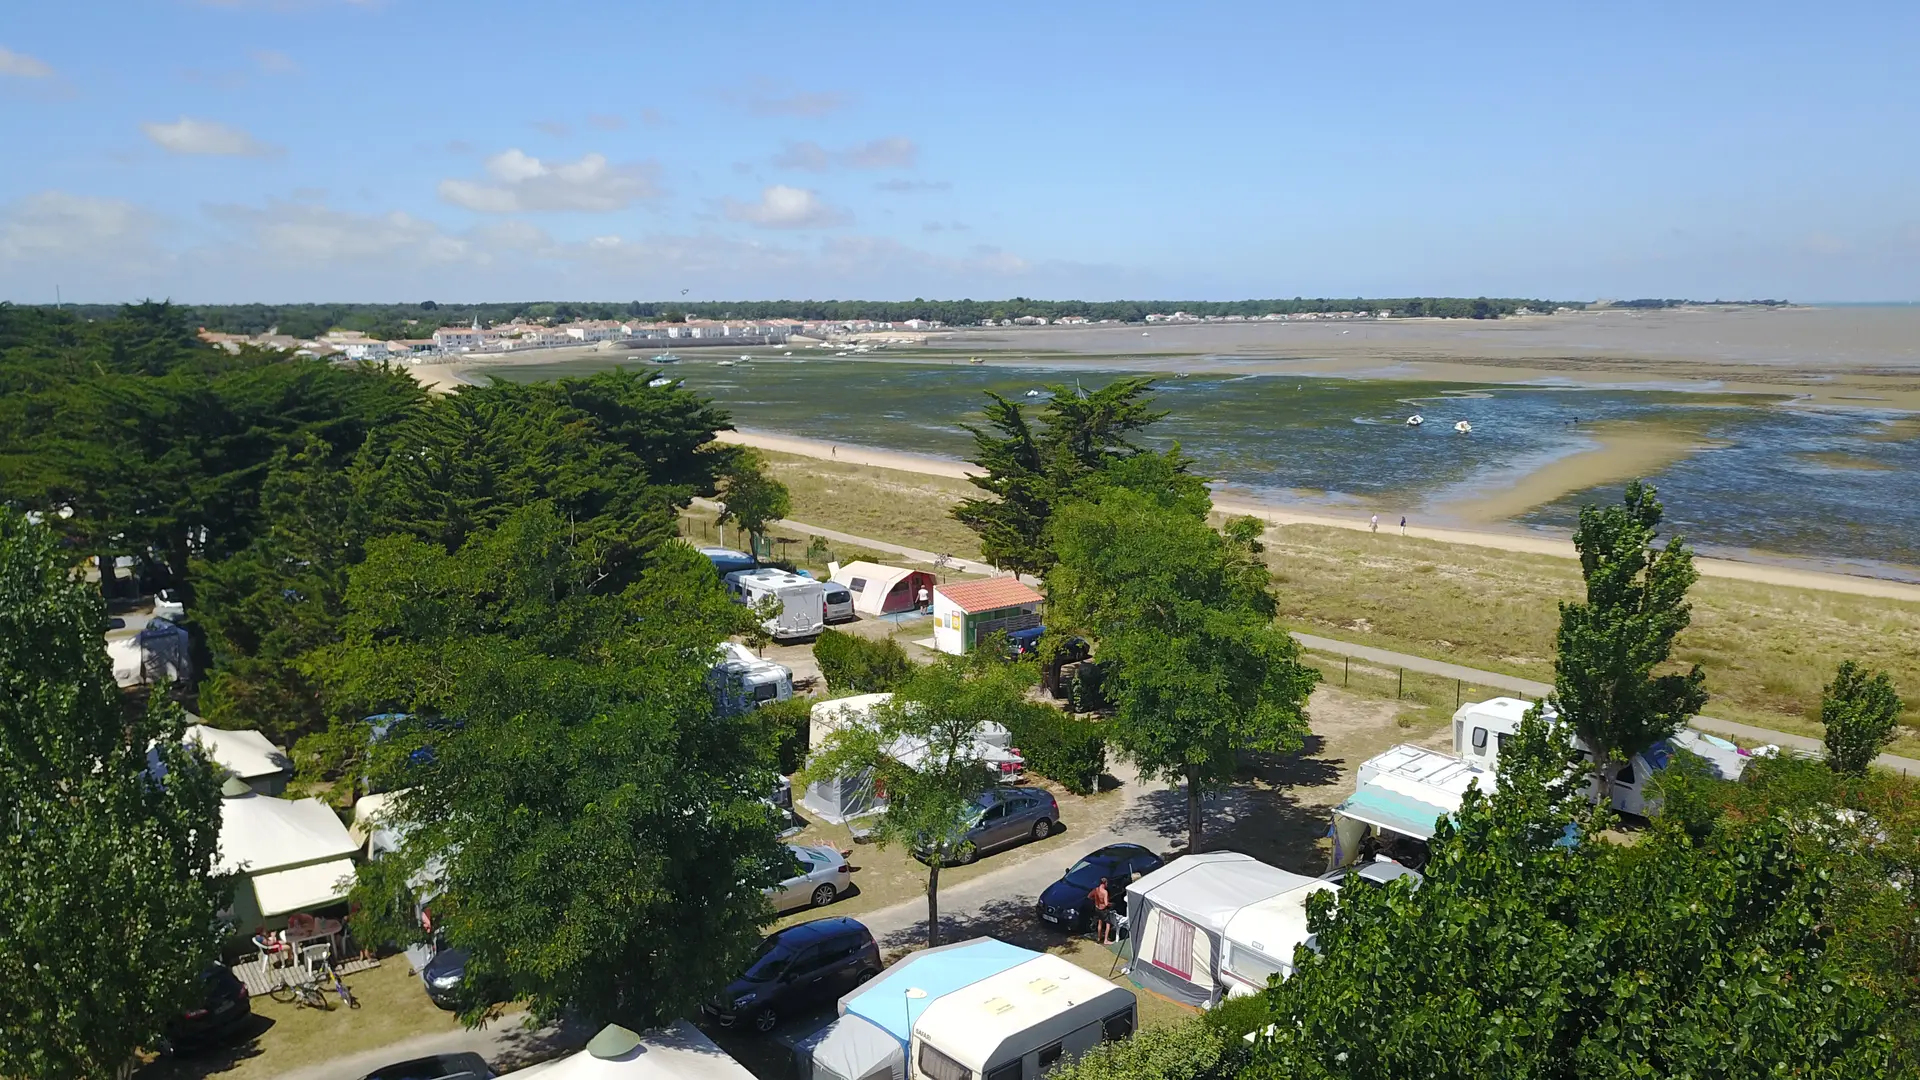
<point x="803" y="601"/>
<point x="1482" y="728"/>
<point x="745" y="681"/>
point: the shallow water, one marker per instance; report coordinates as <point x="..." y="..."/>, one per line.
<point x="1344" y="443"/>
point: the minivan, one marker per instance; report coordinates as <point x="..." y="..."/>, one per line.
<point x="799" y="969"/>
<point x="839" y="603"/>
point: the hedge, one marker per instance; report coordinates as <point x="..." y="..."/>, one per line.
<point x="1070" y="752"/>
<point x="857" y="665"/>
<point x="1189" y="1050"/>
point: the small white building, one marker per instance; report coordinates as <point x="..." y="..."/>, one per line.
<point x="967" y="612"/>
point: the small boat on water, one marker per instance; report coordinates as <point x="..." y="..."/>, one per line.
<point x="745" y="357"/>
<point x="728" y="363"/>
<point x="666" y="358"/>
<point x="976" y="360"/>
<point x="1463" y="428"/>
<point x="1033" y="393"/>
<point x="659" y="382"/>
<point x="1416" y="420"/>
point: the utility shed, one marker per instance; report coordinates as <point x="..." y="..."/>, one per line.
<point x="967" y="612"/>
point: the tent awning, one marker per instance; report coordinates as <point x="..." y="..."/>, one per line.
<point x="303" y="887"/>
<point x="1393" y="810"/>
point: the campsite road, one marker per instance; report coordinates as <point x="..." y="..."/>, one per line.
<point x="507" y="1044"/>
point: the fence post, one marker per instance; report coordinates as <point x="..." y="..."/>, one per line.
<point x="1400" y="691"/>
<point x="1346" y="672"/>
<point x="1456" y="693"/>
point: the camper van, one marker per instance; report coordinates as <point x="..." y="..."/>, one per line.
<point x="1481" y="729"/>
<point x="1398" y="796"/>
<point x="744" y="681"/>
<point x="728" y="561"/>
<point x="803" y="608"/>
<point x="839" y="603"/>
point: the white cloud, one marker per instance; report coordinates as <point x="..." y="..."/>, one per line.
<point x="783" y="207"/>
<point x="521" y="182"/>
<point x="763" y="103"/>
<point x="206" y="137"/>
<point x="317" y="234"/>
<point x="22" y="66"/>
<point x="275" y="62"/>
<point x="892" y="152"/>
<point x="904" y="186"/>
<point x="56" y="225"/>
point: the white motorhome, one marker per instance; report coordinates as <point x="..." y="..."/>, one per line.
<point x="745" y="681"/>
<point x="1399" y="797"/>
<point x="803" y="601"/>
<point x="1481" y="729"/>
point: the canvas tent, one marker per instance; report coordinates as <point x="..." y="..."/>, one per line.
<point x="839" y="798"/>
<point x="246" y="754"/>
<point x="293" y="855"/>
<point x="159" y="651"/>
<point x="675" y="1052"/>
<point x="1178" y="918"/>
<point x="879" y="589"/>
<point x="1405" y="790"/>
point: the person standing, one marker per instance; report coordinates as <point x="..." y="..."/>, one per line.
<point x="1102" y="913"/>
<point x="1403" y="524"/>
<point x="1374" y="523"/>
<point x="924" y="605"/>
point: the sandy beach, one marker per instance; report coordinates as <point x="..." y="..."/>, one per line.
<point x="1529" y="542"/>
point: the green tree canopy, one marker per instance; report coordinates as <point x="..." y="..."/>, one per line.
<point x="1610" y="647"/>
<point x="1192" y="661"/>
<point x="592" y="822"/>
<point x="107" y="890"/>
<point x="751" y="497"/>
<point x="1861" y="713"/>
<point x="1029" y="472"/>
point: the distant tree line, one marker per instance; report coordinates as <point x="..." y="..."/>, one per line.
<point x="395" y="321"/>
<point x="1660" y="304"/>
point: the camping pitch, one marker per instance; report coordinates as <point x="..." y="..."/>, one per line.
<point x="1178" y="917"/>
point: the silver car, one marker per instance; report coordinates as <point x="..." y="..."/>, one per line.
<point x="819" y="876"/>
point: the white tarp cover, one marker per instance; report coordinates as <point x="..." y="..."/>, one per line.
<point x="1179" y="915"/>
<point x="676" y="1052"/>
<point x="259" y="833"/>
<point x="852" y="1048"/>
<point x="313" y="886"/>
<point x="245" y="754"/>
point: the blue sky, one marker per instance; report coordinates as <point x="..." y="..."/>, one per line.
<point x="286" y="150"/>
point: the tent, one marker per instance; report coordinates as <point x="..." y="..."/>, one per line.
<point x="247" y="755"/>
<point x="158" y="651"/>
<point x="675" y="1052"/>
<point x="295" y="854"/>
<point x="837" y="799"/>
<point x="1261" y="938"/>
<point x="879" y="589"/>
<point x="1178" y="918"/>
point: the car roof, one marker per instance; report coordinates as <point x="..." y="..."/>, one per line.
<point x="1114" y="851"/>
<point x="819" y="929"/>
<point x="436" y="1065"/>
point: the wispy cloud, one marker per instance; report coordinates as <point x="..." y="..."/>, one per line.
<point x="891" y="152"/>
<point x="763" y="101"/>
<point x="810" y="156"/>
<point x="208" y="138"/>
<point x="275" y="62"/>
<point x="21" y="66"/>
<point x="57" y="225"/>
<point x="558" y="129"/>
<point x="607" y="122"/>
<point x="783" y="207"/>
<point x="904" y="186"/>
<point x="519" y="182"/>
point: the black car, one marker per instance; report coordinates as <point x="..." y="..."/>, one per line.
<point x="1065" y="904"/>
<point x="443" y="976"/>
<point x="437" y="1067"/>
<point x="224" y="1008"/>
<point x="803" y="967"/>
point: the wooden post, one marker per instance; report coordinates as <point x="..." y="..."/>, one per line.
<point x="1456" y="693"/>
<point x="1400" y="691"/>
<point x="1346" y="672"/>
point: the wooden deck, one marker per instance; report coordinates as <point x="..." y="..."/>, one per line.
<point x="260" y="981"/>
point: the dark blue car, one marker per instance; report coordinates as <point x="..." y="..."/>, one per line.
<point x="1064" y="903"/>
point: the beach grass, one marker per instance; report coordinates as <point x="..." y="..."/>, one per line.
<point x="1767" y="649"/>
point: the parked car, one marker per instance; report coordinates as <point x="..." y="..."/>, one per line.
<point x="820" y="875"/>
<point x="443" y="975"/>
<point x="839" y="603"/>
<point x="437" y="1067"/>
<point x="1064" y="903"/>
<point x="1005" y="816"/>
<point x="224" y="1009"/>
<point x="168" y="606"/>
<point x="800" y="968"/>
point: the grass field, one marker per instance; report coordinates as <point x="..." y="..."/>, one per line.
<point x="1767" y="649"/>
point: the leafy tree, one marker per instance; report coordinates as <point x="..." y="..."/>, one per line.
<point x="1191" y="660"/>
<point x="592" y="821"/>
<point x="1525" y="956"/>
<point x="1029" y="472"/>
<point x="752" y="498"/>
<point x="932" y="720"/>
<point x="107" y="890"/>
<point x="1609" y="646"/>
<point x="1861" y="712"/>
<point x="855" y="665"/>
<point x="1192" y="1049"/>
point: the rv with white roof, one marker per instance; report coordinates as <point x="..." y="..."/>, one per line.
<point x="802" y="600"/>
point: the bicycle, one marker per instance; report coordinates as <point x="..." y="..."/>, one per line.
<point x="301" y="991"/>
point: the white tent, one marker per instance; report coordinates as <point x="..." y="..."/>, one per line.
<point x="246" y="754"/>
<point x="675" y="1052"/>
<point x="837" y="799"/>
<point x="1178" y="918"/>
<point x="295" y="855"/>
<point x="879" y="589"/>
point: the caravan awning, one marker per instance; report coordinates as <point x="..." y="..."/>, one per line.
<point x="303" y="887"/>
<point x="1394" y="811"/>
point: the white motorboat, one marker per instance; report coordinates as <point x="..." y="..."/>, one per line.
<point x="1033" y="393"/>
<point x="744" y="356"/>
<point x="659" y="382"/>
<point x="728" y="363"/>
<point x="1463" y="428"/>
<point x="1416" y="420"/>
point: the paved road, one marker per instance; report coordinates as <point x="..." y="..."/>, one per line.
<point x="1533" y="689"/>
<point x="507" y="1044"/>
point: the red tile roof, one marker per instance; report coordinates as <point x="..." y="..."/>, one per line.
<point x="1000" y="592"/>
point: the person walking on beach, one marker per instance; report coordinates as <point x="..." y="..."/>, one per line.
<point x="1102" y="913"/>
<point x="1374" y="523"/>
<point x="836" y="450"/>
<point x="1403" y="524"/>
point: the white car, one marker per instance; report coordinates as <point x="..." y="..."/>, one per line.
<point x="820" y="875"/>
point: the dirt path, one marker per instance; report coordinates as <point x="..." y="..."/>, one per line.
<point x="1529" y="543"/>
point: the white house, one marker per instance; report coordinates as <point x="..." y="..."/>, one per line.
<point x="966" y="612"/>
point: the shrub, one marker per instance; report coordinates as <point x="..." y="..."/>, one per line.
<point x="1860" y="711"/>
<point x="788" y="723"/>
<point x="1070" y="752"/>
<point x="857" y="665"/>
<point x="1190" y="1050"/>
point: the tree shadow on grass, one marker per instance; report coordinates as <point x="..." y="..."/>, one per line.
<point x="211" y="1059"/>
